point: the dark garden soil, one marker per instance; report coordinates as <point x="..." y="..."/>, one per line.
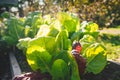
<point x="21" y="58"/>
<point x="4" y="66"/>
<point x="111" y="72"/>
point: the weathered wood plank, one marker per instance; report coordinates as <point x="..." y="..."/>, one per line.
<point x="15" y="69"/>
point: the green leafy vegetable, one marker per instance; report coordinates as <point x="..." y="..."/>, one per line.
<point x="39" y="58"/>
<point x="49" y="48"/>
<point x="96" y="58"/>
<point x="86" y="41"/>
<point x="69" y="22"/>
<point x="47" y="43"/>
<point x="89" y="28"/>
<point x="62" y="40"/>
<point x="14" y="32"/>
<point x="60" y="70"/>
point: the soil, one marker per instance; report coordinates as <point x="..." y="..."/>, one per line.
<point x="22" y="61"/>
<point x="4" y="67"/>
<point x="111" y="72"/>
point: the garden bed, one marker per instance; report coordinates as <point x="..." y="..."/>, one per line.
<point x="111" y="71"/>
<point x="4" y="66"/>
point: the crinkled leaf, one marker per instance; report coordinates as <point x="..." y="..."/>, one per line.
<point x="15" y="29"/>
<point x="86" y="41"/>
<point x="97" y="64"/>
<point x="71" y="23"/>
<point x="53" y="31"/>
<point x="47" y="43"/>
<point x="96" y="58"/>
<point x="23" y="44"/>
<point x="57" y="25"/>
<point x="90" y="28"/>
<point x="62" y="16"/>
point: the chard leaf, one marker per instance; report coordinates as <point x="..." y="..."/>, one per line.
<point x="62" y="40"/>
<point x="46" y="30"/>
<point x="6" y="15"/>
<point x="71" y="23"/>
<point x="33" y="20"/>
<point x="23" y="44"/>
<point x="86" y="41"/>
<point x="72" y="65"/>
<point x="43" y="31"/>
<point x="39" y="58"/>
<point x="15" y="30"/>
<point x="10" y="40"/>
<point x="60" y="70"/>
<point x="74" y="68"/>
<point x="53" y="31"/>
<point x="47" y="43"/>
<point x="96" y="58"/>
<point x="76" y="36"/>
<point x="89" y="28"/>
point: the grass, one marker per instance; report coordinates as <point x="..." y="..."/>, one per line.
<point x="111" y="39"/>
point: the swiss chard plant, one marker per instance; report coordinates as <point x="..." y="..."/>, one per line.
<point x="13" y="30"/>
<point x="17" y="28"/>
<point x="49" y="51"/>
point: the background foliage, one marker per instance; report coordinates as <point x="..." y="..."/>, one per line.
<point x="106" y="13"/>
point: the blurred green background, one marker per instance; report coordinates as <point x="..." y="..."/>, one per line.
<point x="106" y="13"/>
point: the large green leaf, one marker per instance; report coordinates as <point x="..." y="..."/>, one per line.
<point x="72" y="65"/>
<point x="96" y="58"/>
<point x="60" y="70"/>
<point x="39" y="58"/>
<point x="47" y="43"/>
<point x="71" y="23"/>
<point x="14" y="31"/>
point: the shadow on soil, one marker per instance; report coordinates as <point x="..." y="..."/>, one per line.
<point x="111" y="72"/>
